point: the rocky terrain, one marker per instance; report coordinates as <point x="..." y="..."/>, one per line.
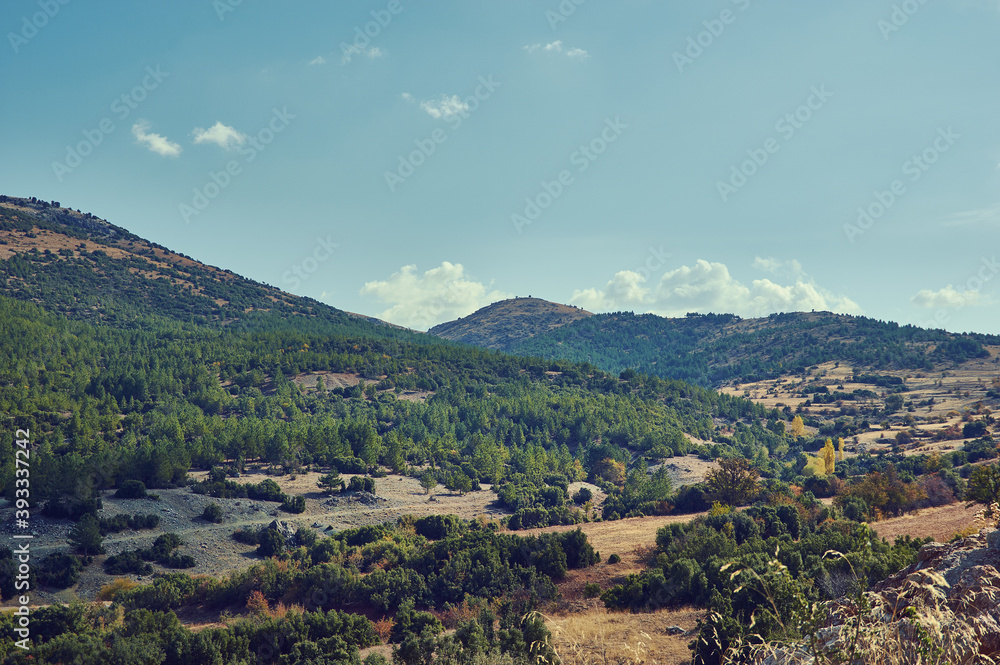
<point x="944" y="608"/>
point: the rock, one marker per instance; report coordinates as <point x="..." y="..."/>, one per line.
<point x="674" y="630"/>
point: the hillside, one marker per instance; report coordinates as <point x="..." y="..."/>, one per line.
<point x="82" y="266"/>
<point x="717" y="349"/>
<point x="506" y="324"/>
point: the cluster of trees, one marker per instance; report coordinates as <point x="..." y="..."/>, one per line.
<point x="697" y="563"/>
<point x="487" y="582"/>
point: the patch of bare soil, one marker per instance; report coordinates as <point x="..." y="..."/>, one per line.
<point x="632" y="539"/>
<point x="939" y="523"/>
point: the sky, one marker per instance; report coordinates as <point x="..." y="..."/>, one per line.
<point x="416" y="161"/>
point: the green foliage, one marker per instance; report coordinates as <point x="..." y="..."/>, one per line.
<point x="131" y="489"/>
<point x="212" y="513"/>
<point x="293" y="504"/>
<point x="85" y="537"/>
<point x="361" y="484"/>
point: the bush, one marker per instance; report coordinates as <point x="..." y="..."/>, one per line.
<point x="582" y="496"/>
<point x="131" y="489"/>
<point x="212" y="513"/>
<point x="59" y="570"/>
<point x="614" y="558"/>
<point x="361" y="484"/>
<point x="294" y="504"/>
<point x="271" y="543"/>
<point x="591" y="590"/>
<point x="438" y="527"/>
<point x="122" y="522"/>
<point x="349" y="465"/>
<point x="127" y="563"/>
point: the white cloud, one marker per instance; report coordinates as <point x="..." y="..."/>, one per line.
<point x="154" y="142"/>
<point x="949" y="296"/>
<point x="773" y="265"/>
<point x="221" y="135"/>
<point x="353" y="50"/>
<point x="446" y="107"/>
<point x="989" y="216"/>
<point x="557" y="47"/>
<point x="318" y="60"/>
<point x="440" y="294"/>
<point x="407" y="96"/>
<point x="709" y="287"/>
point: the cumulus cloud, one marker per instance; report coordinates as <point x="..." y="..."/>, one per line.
<point x="709" y="287"/>
<point x="949" y="296"/>
<point x="221" y="135"/>
<point x="318" y="60"/>
<point x="557" y="47"/>
<point x="440" y="294"/>
<point x="445" y="107"/>
<point x="157" y="143"/>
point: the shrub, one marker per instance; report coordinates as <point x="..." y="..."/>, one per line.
<point x="361" y="484"/>
<point x="131" y="489"/>
<point x="271" y="543"/>
<point x="582" y="496"/>
<point x="614" y="558"/>
<point x="437" y="527"/>
<point x="117" y="586"/>
<point x="294" y="504"/>
<point x="591" y="590"/>
<point x="212" y="513"/>
<point x="126" y="563"/>
<point x="59" y="570"/>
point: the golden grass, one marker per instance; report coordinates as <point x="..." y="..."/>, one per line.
<point x="597" y="637"/>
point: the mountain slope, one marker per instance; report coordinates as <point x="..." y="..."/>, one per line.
<point x="505" y="324"/>
<point x="80" y="265"/>
<point x="714" y="349"/>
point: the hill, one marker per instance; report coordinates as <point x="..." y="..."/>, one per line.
<point x="506" y="324"/>
<point x="83" y="266"/>
<point x="713" y="350"/>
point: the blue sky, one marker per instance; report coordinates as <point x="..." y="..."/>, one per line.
<point x="416" y="160"/>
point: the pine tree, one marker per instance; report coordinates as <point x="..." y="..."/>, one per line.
<point x="85" y="536"/>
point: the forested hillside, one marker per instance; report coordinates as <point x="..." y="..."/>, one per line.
<point x="714" y="349"/>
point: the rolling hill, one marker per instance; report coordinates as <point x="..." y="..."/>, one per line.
<point x="713" y="350"/>
<point x="507" y="323"/>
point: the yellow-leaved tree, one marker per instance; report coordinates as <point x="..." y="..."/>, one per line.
<point x="829" y="456"/>
<point x="798" y="427"/>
